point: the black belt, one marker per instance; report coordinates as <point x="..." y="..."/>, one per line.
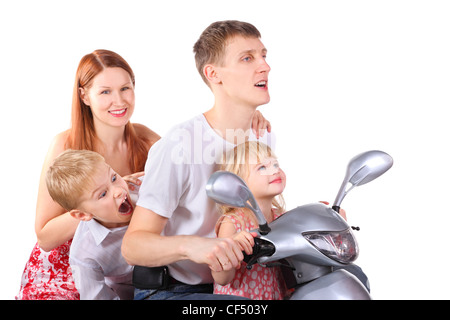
<point x="156" y="278"/>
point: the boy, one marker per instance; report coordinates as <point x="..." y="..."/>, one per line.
<point x="82" y="183"/>
<point x="173" y="223"/>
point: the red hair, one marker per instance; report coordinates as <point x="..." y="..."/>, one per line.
<point x="82" y="133"/>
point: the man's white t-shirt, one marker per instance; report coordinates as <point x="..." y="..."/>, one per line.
<point x="177" y="170"/>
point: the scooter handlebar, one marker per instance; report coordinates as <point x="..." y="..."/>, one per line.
<point x="262" y="248"/>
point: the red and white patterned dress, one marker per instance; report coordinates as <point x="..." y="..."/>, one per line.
<point x="258" y="283"/>
<point x="47" y="275"/>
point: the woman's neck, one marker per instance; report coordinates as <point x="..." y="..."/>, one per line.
<point x="113" y="147"/>
<point x="111" y="138"/>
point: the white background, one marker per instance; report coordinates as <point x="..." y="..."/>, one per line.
<point x="347" y="76"/>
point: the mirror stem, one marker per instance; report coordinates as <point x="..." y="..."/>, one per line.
<point x="264" y="229"/>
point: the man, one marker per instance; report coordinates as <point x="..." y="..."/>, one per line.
<point x="173" y="223"/>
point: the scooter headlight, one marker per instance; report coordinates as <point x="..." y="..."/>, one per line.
<point x="340" y="246"/>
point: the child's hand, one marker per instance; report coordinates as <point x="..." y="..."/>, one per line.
<point x="245" y="241"/>
<point x="260" y="124"/>
<point x="133" y="180"/>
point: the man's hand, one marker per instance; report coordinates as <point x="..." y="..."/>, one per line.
<point x="220" y="254"/>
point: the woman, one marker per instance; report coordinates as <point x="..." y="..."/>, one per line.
<point x="103" y="103"/>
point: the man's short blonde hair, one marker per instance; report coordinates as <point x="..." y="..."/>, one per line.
<point x="210" y="47"/>
<point x="70" y="176"/>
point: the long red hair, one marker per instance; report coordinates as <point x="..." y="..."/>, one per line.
<point x="82" y="133"/>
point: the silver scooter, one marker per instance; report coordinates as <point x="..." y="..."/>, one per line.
<point x="312" y="241"/>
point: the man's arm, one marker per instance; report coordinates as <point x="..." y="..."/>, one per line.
<point x="143" y="245"/>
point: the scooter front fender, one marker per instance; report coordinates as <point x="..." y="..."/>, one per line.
<point x="337" y="285"/>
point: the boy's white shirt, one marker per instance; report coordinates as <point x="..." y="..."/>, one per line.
<point x="177" y="170"/>
<point x="99" y="270"/>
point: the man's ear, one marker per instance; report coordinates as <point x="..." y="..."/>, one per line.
<point x="80" y="215"/>
<point x="211" y="74"/>
<point x="84" y="97"/>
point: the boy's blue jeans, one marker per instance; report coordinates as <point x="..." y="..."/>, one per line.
<point x="183" y="292"/>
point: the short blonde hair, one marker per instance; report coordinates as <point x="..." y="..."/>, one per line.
<point x="70" y="175"/>
<point x="210" y="47"/>
<point x="238" y="161"/>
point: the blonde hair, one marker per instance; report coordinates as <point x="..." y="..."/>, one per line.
<point x="238" y="161"/>
<point x="70" y="175"/>
<point x="210" y="47"/>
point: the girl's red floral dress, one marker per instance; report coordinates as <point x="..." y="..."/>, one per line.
<point x="47" y="275"/>
<point x="259" y="283"/>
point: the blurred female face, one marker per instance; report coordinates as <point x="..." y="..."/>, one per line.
<point x="265" y="178"/>
<point x="111" y="97"/>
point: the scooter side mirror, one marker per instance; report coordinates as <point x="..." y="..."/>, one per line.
<point x="362" y="169"/>
<point x="226" y="188"/>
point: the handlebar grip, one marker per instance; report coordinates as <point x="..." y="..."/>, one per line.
<point x="262" y="248"/>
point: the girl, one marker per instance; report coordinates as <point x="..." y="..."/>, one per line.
<point x="102" y="105"/>
<point x="257" y="165"/>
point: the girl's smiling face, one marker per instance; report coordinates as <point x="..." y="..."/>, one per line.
<point x="107" y="200"/>
<point x="265" y="178"/>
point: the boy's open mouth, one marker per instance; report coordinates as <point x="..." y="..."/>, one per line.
<point x="126" y="207"/>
